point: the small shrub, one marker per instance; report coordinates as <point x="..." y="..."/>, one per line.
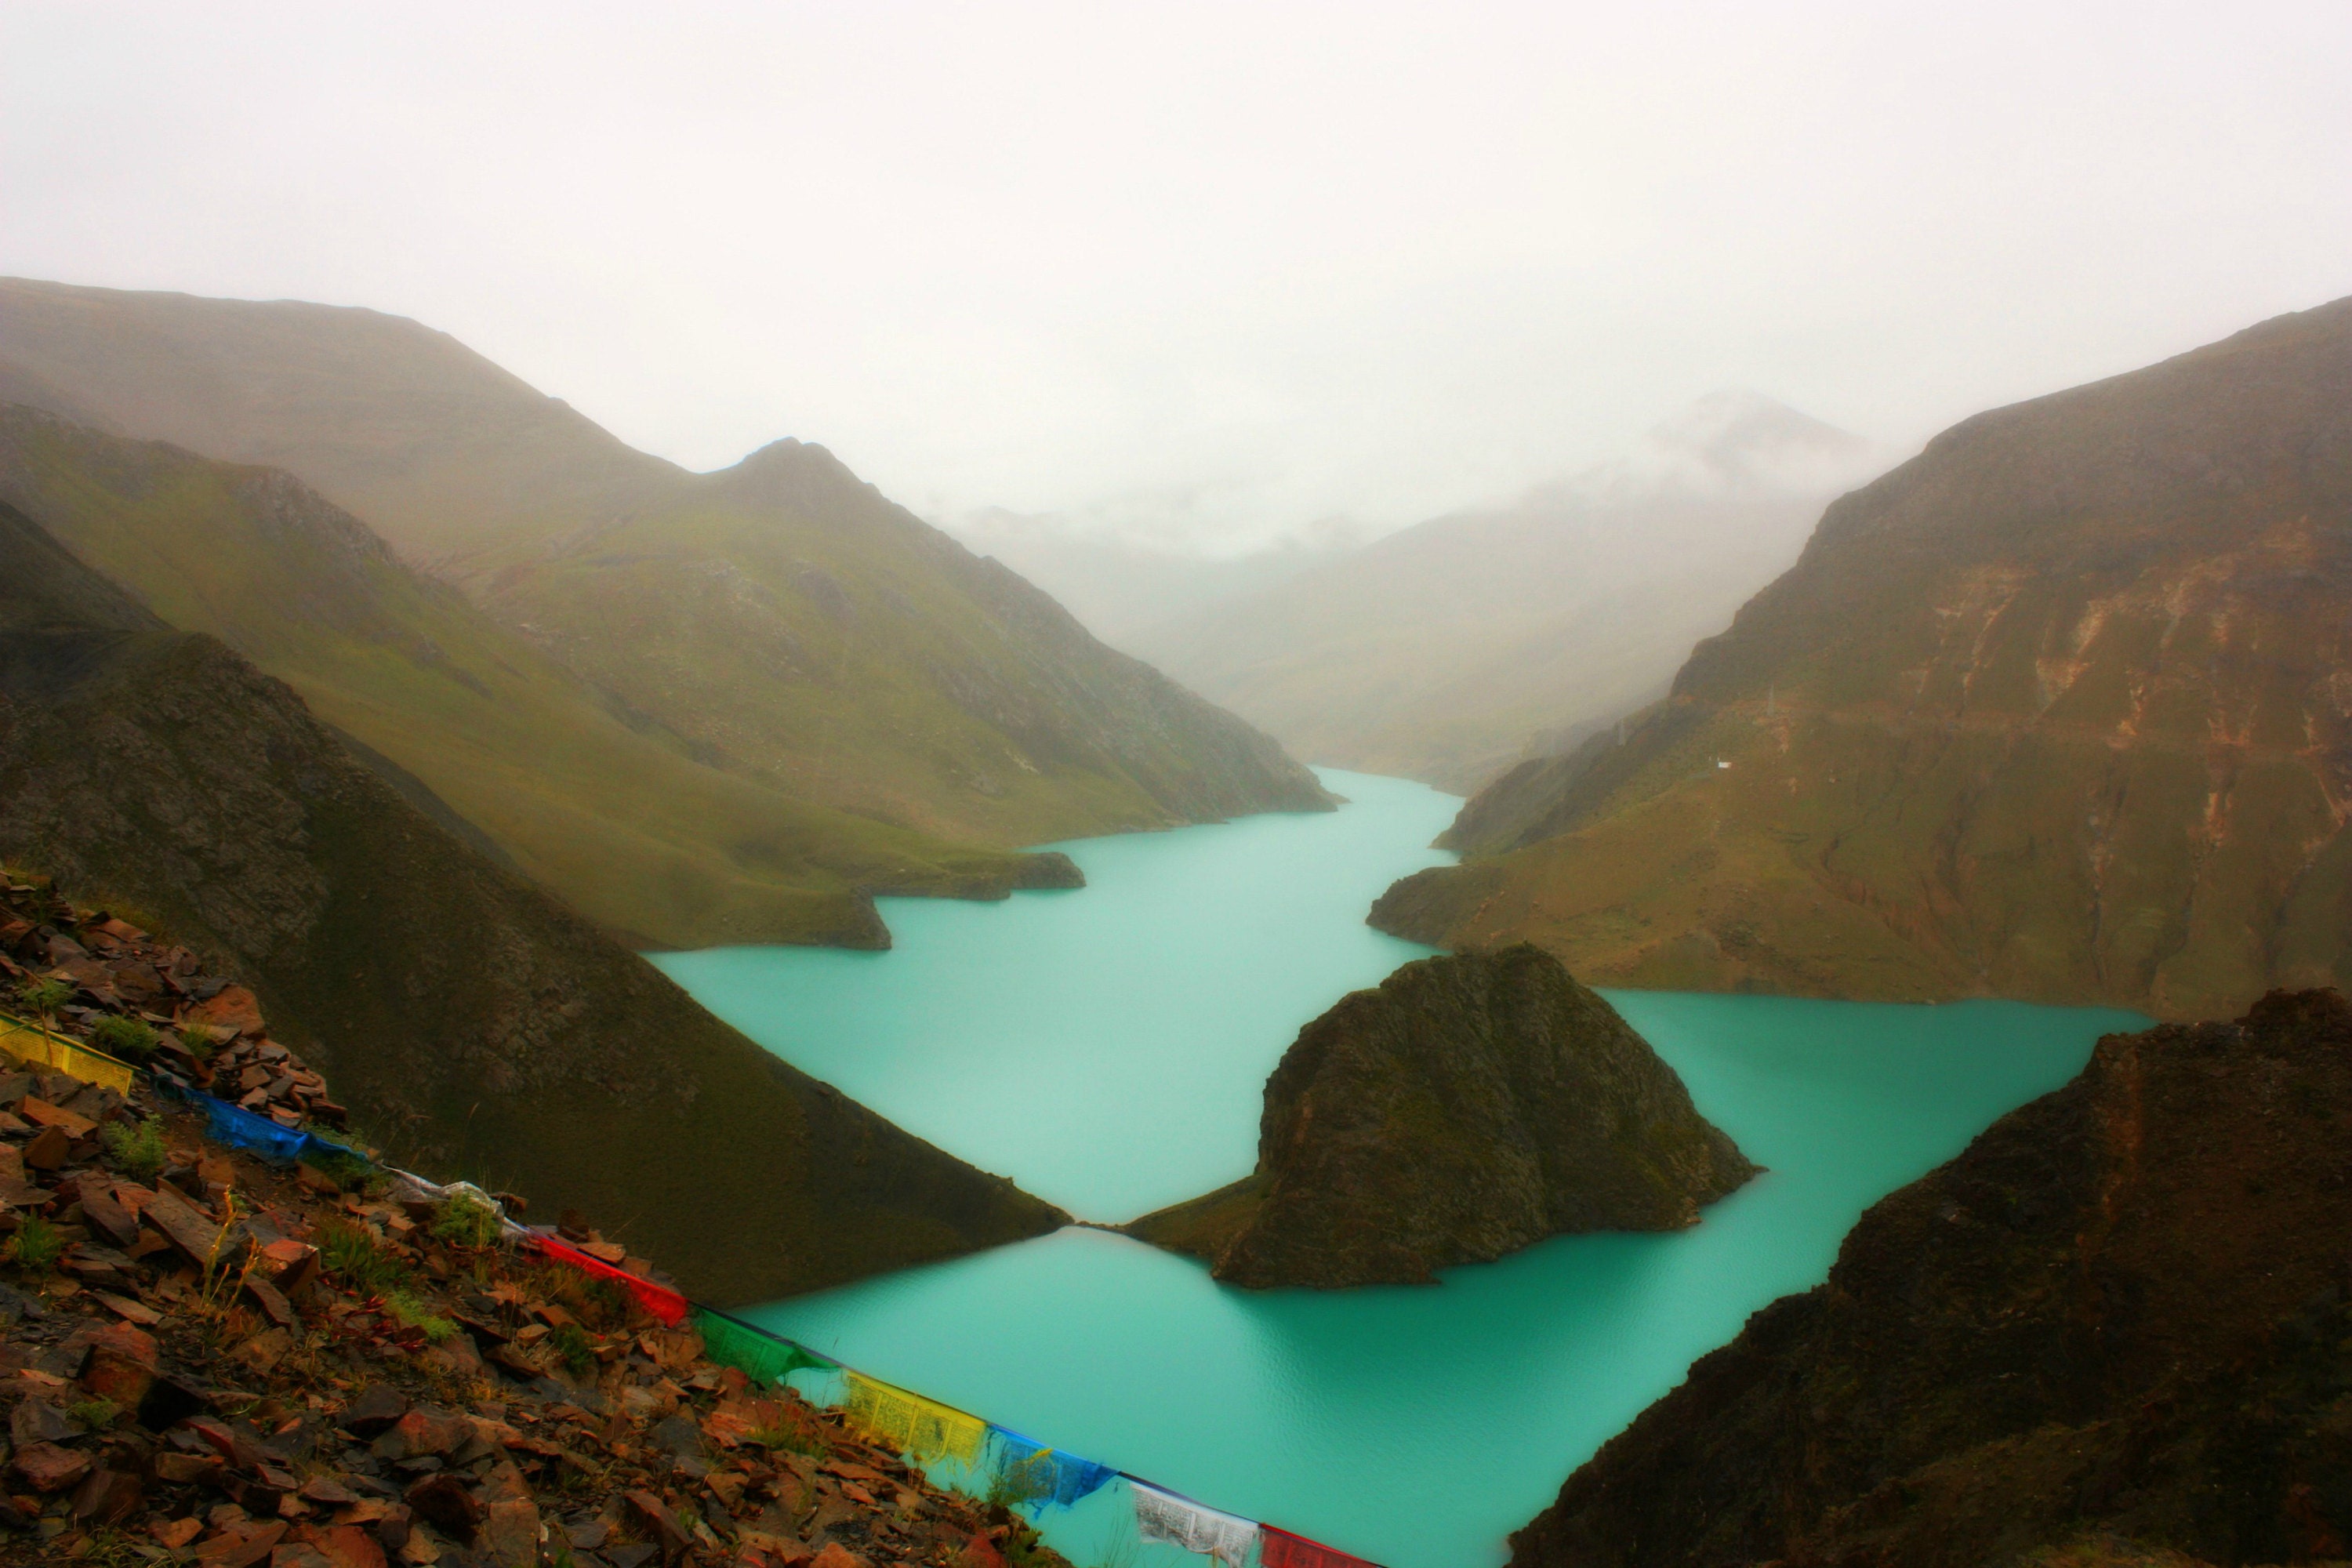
<point x="202" y="1040"/>
<point x="44" y="997"/>
<point x="467" y="1221"/>
<point x="420" y="1317"/>
<point x="97" y="1414"/>
<point x="1017" y="1483"/>
<point x="348" y="1172"/>
<point x="136" y="1148"/>
<point x="570" y="1343"/>
<point x="126" y="1039"/>
<point x="353" y="1252"/>
<point x="36" y="1246"/>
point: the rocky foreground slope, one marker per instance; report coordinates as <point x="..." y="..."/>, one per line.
<point x="471" y="1023"/>
<point x="2121" y="1314"/>
<point x="206" y="1359"/>
<point x="1469" y="1106"/>
<point x="2061" y="709"/>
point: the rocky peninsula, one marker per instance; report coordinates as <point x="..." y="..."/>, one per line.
<point x="1469" y="1106"/>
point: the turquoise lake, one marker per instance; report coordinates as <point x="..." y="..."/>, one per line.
<point x="1107" y="1047"/>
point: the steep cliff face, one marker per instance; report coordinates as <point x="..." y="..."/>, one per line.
<point x="2122" y="1310"/>
<point x="2060" y="710"/>
<point x="1468" y="1107"/>
<point x="781" y="620"/>
<point x="469" y="1022"/>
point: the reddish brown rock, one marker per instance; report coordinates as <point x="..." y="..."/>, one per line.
<point x="349" y="1546"/>
<point x="441" y="1501"/>
<point x="122" y="1365"/>
<point x="49" y="1469"/>
<point x="240" y="1546"/>
<point x="176" y="1533"/>
<point x="659" y="1522"/>
<point x="235" y="1010"/>
<point x="105" y="1495"/>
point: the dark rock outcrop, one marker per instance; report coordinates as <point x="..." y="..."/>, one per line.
<point x="1470" y="1106"/>
<point x="2122" y="1311"/>
<point x="470" y="1022"/>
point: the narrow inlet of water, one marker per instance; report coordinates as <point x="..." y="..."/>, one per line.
<point x="1107" y="1047"/>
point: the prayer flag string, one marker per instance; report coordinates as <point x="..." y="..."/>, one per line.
<point x="909" y="1422"/>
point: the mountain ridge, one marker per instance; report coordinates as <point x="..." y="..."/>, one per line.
<point x="2053" y="712"/>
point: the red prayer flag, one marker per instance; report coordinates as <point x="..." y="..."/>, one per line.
<point x="1280" y="1548"/>
<point x="666" y="1304"/>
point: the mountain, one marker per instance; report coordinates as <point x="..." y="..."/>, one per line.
<point x="1124" y="583"/>
<point x="2114" y="1330"/>
<point x="468" y="1021"/>
<point x="780" y="620"/>
<point x="2061" y="709"/>
<point x="608" y="812"/>
<point x="1469" y="1106"/>
<point x="1449" y="650"/>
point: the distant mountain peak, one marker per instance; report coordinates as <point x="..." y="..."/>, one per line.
<point x="1732" y="441"/>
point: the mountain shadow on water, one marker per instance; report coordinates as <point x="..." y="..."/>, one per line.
<point x="1467" y="1107"/>
<point x="469" y="1022"/>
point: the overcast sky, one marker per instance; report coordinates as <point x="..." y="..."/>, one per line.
<point x="1251" y="264"/>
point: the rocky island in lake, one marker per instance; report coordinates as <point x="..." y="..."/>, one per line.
<point x="1469" y="1106"/>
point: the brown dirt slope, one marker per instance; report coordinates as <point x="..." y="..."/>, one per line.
<point x="1469" y="1106"/>
<point x="2121" y="1312"/>
<point x="472" y="1023"/>
<point x="2061" y="709"/>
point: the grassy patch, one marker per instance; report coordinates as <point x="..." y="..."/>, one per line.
<point x="136" y="1148"/>
<point x="353" y="1253"/>
<point x="36" y="1246"/>
<point x="126" y="1039"/>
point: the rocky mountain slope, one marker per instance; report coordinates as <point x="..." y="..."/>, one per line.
<point x="468" y="1021"/>
<point x="207" y="1358"/>
<point x="2061" y="709"/>
<point x="2122" y="1311"/>
<point x="1470" y="1106"/>
<point x="603" y="808"/>
<point x="1447" y="652"/>
<point x="780" y="620"/>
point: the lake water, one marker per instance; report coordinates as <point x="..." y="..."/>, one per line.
<point x="1107" y="1047"/>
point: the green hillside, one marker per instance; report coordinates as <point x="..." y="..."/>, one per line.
<point x="2061" y="709"/>
<point x="619" y="821"/>
<point x="471" y="1022"/>
<point x="781" y="620"/>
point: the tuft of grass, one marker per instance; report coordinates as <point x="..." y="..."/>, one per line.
<point x="467" y="1221"/>
<point x="418" y="1316"/>
<point x="126" y="1040"/>
<point x="348" y="1172"/>
<point x="136" y="1148"/>
<point x="353" y="1252"/>
<point x="202" y="1040"/>
<point x="97" y="1414"/>
<point x="36" y="1246"/>
<point x="571" y="1344"/>
<point x="1017" y="1483"/>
